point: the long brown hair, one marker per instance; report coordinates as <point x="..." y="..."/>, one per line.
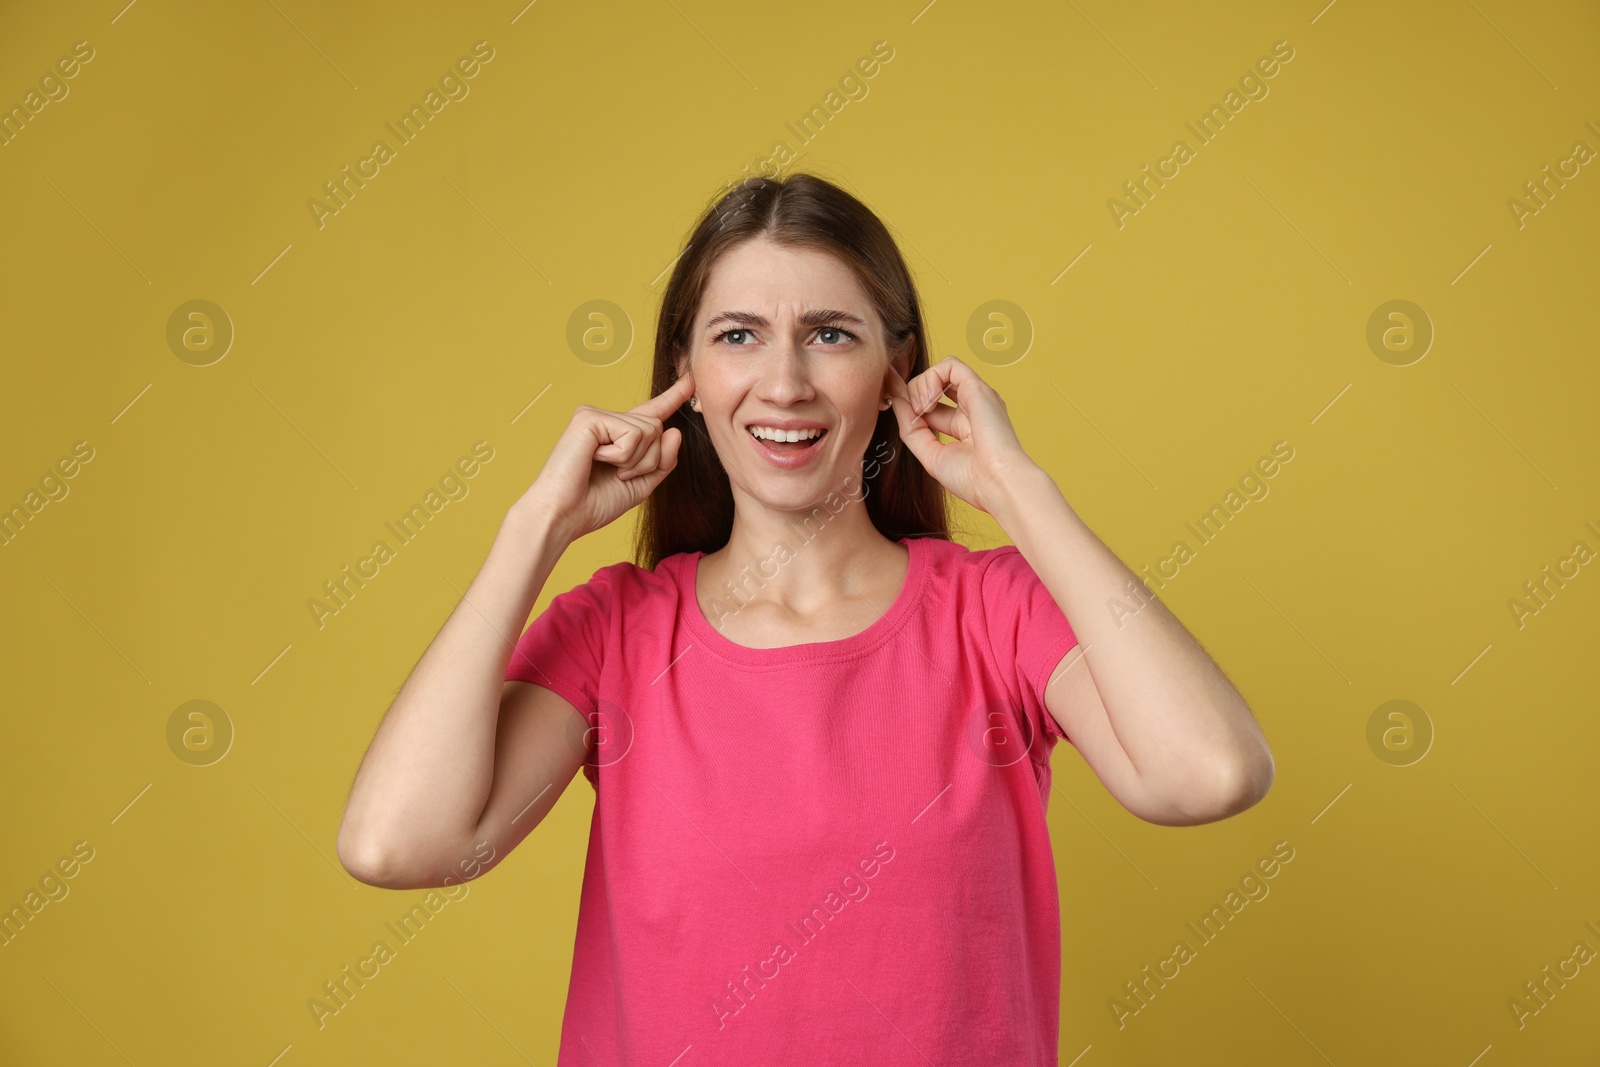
<point x="692" y="509"/>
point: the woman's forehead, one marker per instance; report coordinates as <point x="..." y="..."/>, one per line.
<point x="783" y="284"/>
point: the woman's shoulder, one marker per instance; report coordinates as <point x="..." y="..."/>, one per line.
<point x="996" y="574"/>
<point x="953" y="559"/>
<point x="629" y="583"/>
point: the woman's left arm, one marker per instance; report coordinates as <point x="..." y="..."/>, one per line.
<point x="1151" y="712"/>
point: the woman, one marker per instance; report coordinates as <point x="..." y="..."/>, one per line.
<point x="818" y="729"/>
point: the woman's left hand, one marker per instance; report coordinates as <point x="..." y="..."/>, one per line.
<point x="985" y="451"/>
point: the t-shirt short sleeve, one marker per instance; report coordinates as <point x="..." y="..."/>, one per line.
<point x="1027" y="631"/>
<point x="563" y="649"/>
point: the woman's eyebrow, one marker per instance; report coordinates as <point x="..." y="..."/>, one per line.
<point x="815" y="317"/>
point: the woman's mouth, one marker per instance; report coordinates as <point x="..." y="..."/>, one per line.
<point x="777" y="448"/>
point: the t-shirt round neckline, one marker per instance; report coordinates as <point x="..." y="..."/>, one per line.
<point x="881" y="629"/>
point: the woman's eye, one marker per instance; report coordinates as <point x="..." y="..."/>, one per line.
<point x="828" y="335"/>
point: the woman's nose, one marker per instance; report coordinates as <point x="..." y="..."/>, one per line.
<point x="784" y="377"/>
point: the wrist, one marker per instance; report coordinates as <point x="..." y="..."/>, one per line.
<point x="531" y="521"/>
<point x="1019" y="486"/>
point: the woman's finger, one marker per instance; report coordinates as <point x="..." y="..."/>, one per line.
<point x="918" y="436"/>
<point x="650" y="433"/>
<point x="666" y="402"/>
<point x="942" y="417"/>
<point x="670" y="442"/>
<point x="925" y="392"/>
<point x="646" y="463"/>
<point x="620" y="439"/>
<point x="630" y="434"/>
<point x="948" y="376"/>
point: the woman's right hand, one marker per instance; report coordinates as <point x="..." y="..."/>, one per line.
<point x="607" y="462"/>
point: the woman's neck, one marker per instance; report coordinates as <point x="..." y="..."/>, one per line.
<point x="798" y="572"/>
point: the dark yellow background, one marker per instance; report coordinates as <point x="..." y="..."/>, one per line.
<point x="371" y="353"/>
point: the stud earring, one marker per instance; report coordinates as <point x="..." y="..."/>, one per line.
<point x="694" y="402"/>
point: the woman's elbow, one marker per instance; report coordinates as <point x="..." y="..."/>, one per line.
<point x="1247" y="782"/>
<point x="1237" y="786"/>
<point x="380" y="865"/>
<point x="362" y="861"/>
<point x="1223" y="789"/>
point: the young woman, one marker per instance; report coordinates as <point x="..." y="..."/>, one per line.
<point x="818" y="730"/>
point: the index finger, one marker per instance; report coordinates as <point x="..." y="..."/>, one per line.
<point x="942" y="378"/>
<point x="665" y="403"/>
<point x="897" y="384"/>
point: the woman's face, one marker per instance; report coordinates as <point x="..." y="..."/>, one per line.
<point x="787" y="338"/>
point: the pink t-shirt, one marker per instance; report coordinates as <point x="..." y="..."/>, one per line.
<point x="824" y="853"/>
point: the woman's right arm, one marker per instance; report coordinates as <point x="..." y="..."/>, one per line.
<point x="460" y="745"/>
<point x="465" y="762"/>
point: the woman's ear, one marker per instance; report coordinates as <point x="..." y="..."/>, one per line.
<point x="901" y="360"/>
<point x="681" y="369"/>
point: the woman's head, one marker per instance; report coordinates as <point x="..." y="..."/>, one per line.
<point x="790" y="304"/>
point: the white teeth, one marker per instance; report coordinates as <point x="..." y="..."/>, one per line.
<point x="771" y="434"/>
